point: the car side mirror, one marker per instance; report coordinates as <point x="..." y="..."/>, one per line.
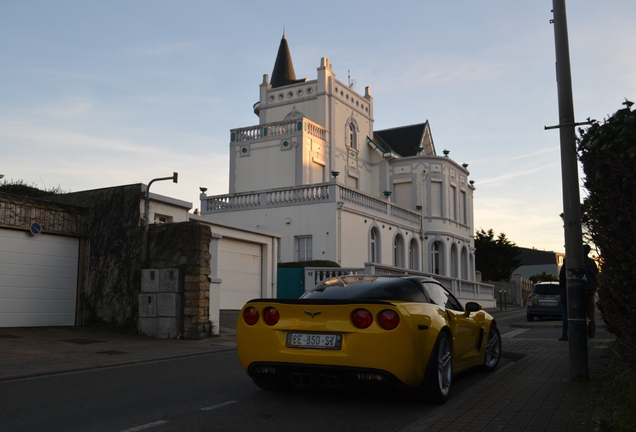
<point x="472" y="307"/>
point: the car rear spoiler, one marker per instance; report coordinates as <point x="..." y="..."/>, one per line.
<point x="322" y="301"/>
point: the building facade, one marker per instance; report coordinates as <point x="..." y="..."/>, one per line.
<point x="315" y="171"/>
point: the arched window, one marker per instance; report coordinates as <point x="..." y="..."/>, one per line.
<point x="351" y="133"/>
<point x="374" y="245"/>
<point x="454" y="262"/>
<point x="398" y="251"/>
<point x="414" y="255"/>
<point x="436" y="258"/>
<point x="464" y="264"/>
<point x="353" y="142"/>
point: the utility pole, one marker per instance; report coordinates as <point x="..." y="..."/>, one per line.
<point x="144" y="241"/>
<point x="575" y="266"/>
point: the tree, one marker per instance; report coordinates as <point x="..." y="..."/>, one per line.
<point x="495" y="258"/>
<point x="607" y="153"/>
<point x="22" y="188"/>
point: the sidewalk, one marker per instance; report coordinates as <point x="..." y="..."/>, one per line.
<point x="38" y="351"/>
<point x="531" y="393"/>
<point x="531" y="390"/>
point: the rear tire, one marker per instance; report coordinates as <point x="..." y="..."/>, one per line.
<point x="269" y="383"/>
<point x="493" y="349"/>
<point x="530" y="317"/>
<point x="439" y="371"/>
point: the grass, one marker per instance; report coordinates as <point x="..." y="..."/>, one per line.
<point x="618" y="389"/>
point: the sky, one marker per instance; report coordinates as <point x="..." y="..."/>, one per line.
<point x="96" y="94"/>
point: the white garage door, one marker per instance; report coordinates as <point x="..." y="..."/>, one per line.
<point x="38" y="279"/>
<point x="240" y="272"/>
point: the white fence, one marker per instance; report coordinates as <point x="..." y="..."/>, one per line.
<point x="464" y="290"/>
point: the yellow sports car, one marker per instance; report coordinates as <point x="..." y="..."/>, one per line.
<point x="354" y="330"/>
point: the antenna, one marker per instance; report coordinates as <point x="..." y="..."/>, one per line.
<point x="351" y="82"/>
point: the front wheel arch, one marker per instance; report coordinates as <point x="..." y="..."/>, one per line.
<point x="493" y="349"/>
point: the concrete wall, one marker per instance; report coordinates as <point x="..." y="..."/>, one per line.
<point x="514" y="292"/>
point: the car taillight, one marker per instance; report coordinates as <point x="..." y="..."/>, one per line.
<point x="271" y="316"/>
<point x="388" y="319"/>
<point x="361" y="318"/>
<point x="250" y="315"/>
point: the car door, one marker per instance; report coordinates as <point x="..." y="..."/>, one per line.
<point x="465" y="330"/>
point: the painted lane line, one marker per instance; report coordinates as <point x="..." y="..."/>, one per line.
<point x="210" y="408"/>
<point x="146" y="426"/>
<point x="513" y="333"/>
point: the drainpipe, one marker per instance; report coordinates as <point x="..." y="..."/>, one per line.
<point x="339" y="235"/>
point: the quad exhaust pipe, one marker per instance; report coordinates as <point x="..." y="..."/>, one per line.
<point x="295" y="379"/>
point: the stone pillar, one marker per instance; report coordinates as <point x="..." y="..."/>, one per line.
<point x="186" y="246"/>
<point x="196" y="320"/>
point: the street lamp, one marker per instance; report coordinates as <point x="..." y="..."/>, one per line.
<point x="144" y="246"/>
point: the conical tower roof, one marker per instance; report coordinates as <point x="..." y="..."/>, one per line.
<point x="283" y="73"/>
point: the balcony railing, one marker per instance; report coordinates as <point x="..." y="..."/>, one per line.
<point x="310" y="194"/>
<point x="278" y="128"/>
<point x="298" y="195"/>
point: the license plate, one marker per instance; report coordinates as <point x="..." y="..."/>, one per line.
<point x="314" y="340"/>
<point x="548" y="303"/>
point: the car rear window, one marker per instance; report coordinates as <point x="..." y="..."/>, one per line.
<point x="378" y="289"/>
<point x="547" y="289"/>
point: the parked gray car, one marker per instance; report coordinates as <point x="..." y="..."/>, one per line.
<point x="544" y="301"/>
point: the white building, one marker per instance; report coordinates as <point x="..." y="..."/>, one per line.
<point x="314" y="170"/>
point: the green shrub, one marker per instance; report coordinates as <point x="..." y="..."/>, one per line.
<point x="619" y="395"/>
<point x="608" y="154"/>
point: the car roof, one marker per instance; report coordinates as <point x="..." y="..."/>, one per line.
<point x="349" y="279"/>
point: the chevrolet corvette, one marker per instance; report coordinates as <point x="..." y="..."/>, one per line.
<point x="407" y="331"/>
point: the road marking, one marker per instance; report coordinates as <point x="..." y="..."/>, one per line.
<point x="210" y="408"/>
<point x="513" y="333"/>
<point x="146" y="426"/>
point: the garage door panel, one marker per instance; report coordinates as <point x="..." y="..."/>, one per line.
<point x="37" y="259"/>
<point x="36" y="319"/>
<point x="30" y="271"/>
<point x="37" y="306"/>
<point x="35" y="293"/>
<point x="240" y="272"/>
<point x="38" y="279"/>
<point x="26" y="282"/>
<point x="47" y="245"/>
<point x="62" y="259"/>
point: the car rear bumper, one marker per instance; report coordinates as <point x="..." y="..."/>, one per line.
<point x="308" y="375"/>
<point x="545" y="311"/>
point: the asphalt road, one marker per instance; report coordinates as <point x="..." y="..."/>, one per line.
<point x="209" y="392"/>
